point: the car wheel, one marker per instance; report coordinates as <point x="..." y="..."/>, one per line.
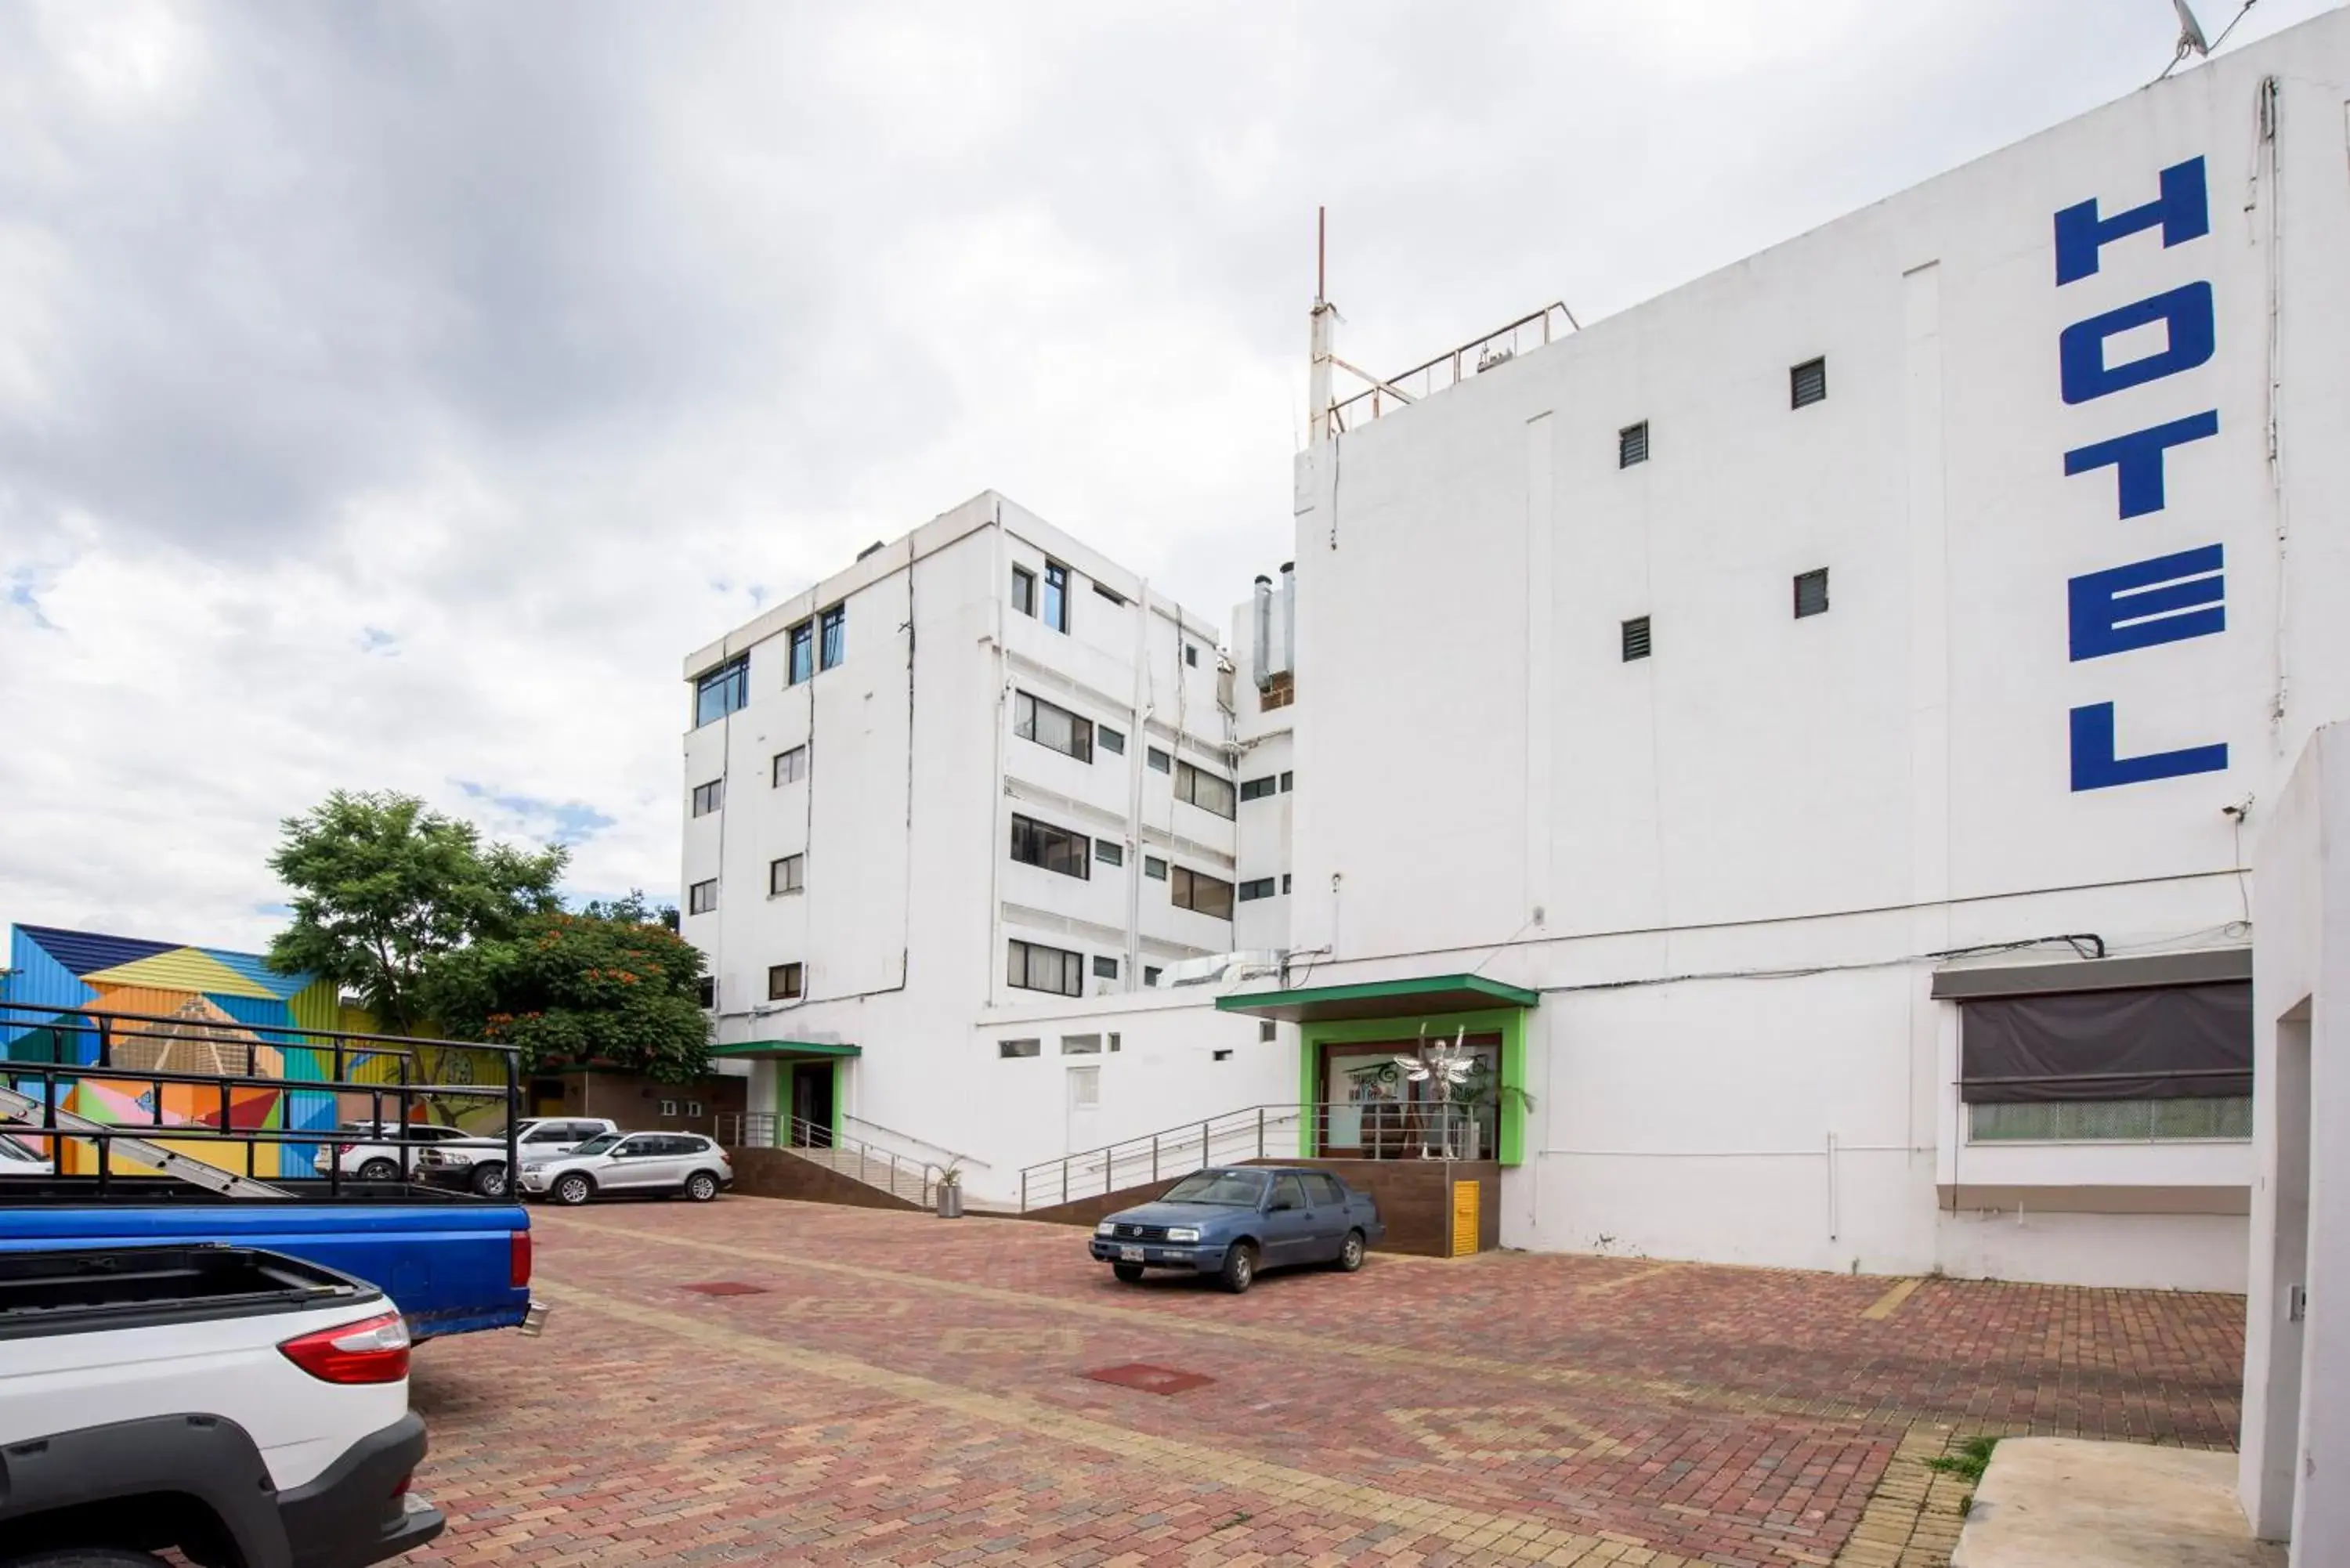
<point x="1240" y="1268"/>
<point x="572" y="1190"/>
<point x="489" y="1180"/>
<point x="1350" y="1252"/>
<point x="380" y="1170"/>
<point x="701" y="1187"/>
<point x="1127" y="1273"/>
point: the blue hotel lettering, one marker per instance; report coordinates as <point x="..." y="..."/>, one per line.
<point x="2168" y="598"/>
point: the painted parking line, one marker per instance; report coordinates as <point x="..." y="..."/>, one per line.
<point x="1890" y="1301"/>
<point x="1473" y="1530"/>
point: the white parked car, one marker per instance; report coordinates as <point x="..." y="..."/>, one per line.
<point x="663" y="1163"/>
<point x="479" y="1164"/>
<point x="362" y="1153"/>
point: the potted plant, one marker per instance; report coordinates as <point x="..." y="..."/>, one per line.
<point x="950" y="1185"/>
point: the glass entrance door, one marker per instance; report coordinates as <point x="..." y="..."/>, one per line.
<point x="1371" y="1109"/>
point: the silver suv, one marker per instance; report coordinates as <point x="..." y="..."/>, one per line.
<point x="663" y="1163"/>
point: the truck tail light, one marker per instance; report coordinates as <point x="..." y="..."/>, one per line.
<point x="375" y="1351"/>
<point x="518" y="1259"/>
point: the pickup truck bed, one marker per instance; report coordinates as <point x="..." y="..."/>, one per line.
<point x="452" y="1263"/>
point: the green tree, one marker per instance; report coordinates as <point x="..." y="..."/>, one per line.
<point x="611" y="986"/>
<point x="382" y="887"/>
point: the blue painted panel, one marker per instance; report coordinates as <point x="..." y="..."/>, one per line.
<point x="86" y="952"/>
<point x="253" y="968"/>
<point x="38" y="980"/>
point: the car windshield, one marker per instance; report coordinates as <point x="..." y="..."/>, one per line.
<point x="1233" y="1189"/>
<point x="597" y="1145"/>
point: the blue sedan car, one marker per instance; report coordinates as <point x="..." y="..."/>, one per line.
<point x="1231" y="1223"/>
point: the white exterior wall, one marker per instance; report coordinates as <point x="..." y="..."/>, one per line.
<point x="1890" y="780"/>
<point x="1265" y="740"/>
<point x="910" y="895"/>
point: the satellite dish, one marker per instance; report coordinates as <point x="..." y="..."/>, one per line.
<point x="2190" y="31"/>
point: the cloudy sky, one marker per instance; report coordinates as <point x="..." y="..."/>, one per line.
<point x="390" y="396"/>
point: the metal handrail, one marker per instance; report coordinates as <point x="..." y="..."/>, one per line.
<point x="1385" y="1130"/>
<point x="1395" y="388"/>
<point x="876" y="1166"/>
<point x="953" y="1156"/>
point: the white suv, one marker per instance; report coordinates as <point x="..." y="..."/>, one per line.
<point x="361" y="1154"/>
<point x="663" y="1163"/>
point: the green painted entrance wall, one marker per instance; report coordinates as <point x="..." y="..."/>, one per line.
<point x="1510" y="1023"/>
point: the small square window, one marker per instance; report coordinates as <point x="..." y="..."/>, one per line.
<point x="1257" y="789"/>
<point x="1288" y="782"/>
<point x="1105" y="968"/>
<point x="791" y="766"/>
<point x="1150" y="973"/>
<point x="694" y="1107"/>
<point x="1160" y="762"/>
<point x="1008" y="1049"/>
<point x="1110" y="739"/>
<point x="1109" y="852"/>
<point x="1111" y="593"/>
<point x="701" y="897"/>
<point x="669" y="1107"/>
<point x="788" y="875"/>
<point x="1024" y="590"/>
<point x="1632" y="444"/>
<point x="1192" y="655"/>
<point x="1255" y="888"/>
<point x="783" y="982"/>
<point x="1081" y="1044"/>
<point x="1113" y="1040"/>
<point x="709" y="797"/>
<point x="1267" y="1030"/>
<point x="1284" y="881"/>
<point x="1154" y="867"/>
<point x="1808" y="383"/>
<point x="1636" y="638"/>
<point x="705" y="991"/>
<point x="1811" y="593"/>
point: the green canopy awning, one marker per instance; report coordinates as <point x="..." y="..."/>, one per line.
<point x="788" y="1050"/>
<point x="1381" y="999"/>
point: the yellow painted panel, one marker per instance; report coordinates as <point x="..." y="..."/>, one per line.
<point x="181" y="969"/>
<point x="1464" y="1218"/>
<point x="317" y="1005"/>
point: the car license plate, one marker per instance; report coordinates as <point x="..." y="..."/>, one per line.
<point x="1129" y="1254"/>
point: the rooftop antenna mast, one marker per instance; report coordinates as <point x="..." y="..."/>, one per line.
<point x="2190" y="35"/>
<point x="1323" y="317"/>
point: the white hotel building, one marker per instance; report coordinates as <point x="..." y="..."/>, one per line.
<point x="1859" y="680"/>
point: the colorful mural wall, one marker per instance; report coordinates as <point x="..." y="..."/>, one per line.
<point x="198" y="1011"/>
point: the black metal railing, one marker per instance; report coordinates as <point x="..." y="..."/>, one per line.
<point x="87" y="1047"/>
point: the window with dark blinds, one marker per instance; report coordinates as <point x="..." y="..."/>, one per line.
<point x="1636" y="638"/>
<point x="1808" y="382"/>
<point x="1632" y="444"/>
<point x="1811" y="593"/>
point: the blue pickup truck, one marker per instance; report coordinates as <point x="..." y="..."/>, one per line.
<point x="452" y="1262"/>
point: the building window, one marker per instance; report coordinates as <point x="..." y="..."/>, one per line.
<point x="1109" y="852"/>
<point x="1811" y="593"/>
<point x="1150" y="973"/>
<point x="1192" y="655"/>
<point x="1154" y="867"/>
<point x="1200" y="893"/>
<point x="791" y="766"/>
<point x="787" y="875"/>
<point x="1259" y="789"/>
<point x="1632" y="444"/>
<point x="1024" y="590"/>
<point x="1111" y="593"/>
<point x="705" y="991"/>
<point x="709" y="797"/>
<point x="1288" y="781"/>
<point x="803" y="646"/>
<point x="1224" y="1055"/>
<point x="1212" y="793"/>
<point x="694" y="1107"/>
<point x="669" y="1107"/>
<point x="833" y="636"/>
<point x="2114" y="1121"/>
<point x="1808" y="383"/>
<point x="723" y="691"/>
<point x="1080" y="1044"/>
<point x="1010" y="1049"/>
<point x="1056" y="596"/>
<point x="1054" y="848"/>
<point x="1284" y="881"/>
<point x="701" y="897"/>
<point x="1035" y="967"/>
<point x="783" y="982"/>
<point x="1160" y="762"/>
<point x="1267" y="1030"/>
<point x="1255" y="888"/>
<point x="1112" y="741"/>
<point x="1636" y="638"/>
<point x="1113" y="1039"/>
<point x="1105" y="967"/>
<point x="1033" y="718"/>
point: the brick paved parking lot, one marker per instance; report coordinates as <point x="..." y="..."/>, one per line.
<point x="902" y="1389"/>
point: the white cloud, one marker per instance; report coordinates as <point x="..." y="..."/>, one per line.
<point x="391" y="396"/>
